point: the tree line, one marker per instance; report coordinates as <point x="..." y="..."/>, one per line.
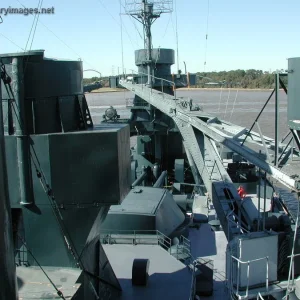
<point x="251" y="79"/>
<point x="248" y="79"/>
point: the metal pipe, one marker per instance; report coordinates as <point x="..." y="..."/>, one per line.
<point x="11" y="128"/>
<point x="258" y="196"/>
<point x="185" y="68"/>
<point x="265" y="201"/>
<point x="286" y="146"/>
<point x="276" y="118"/>
<point x="139" y="179"/>
<point x="8" y="285"/>
<point x="161" y="180"/>
<point x="22" y="137"/>
<point x="261" y="111"/>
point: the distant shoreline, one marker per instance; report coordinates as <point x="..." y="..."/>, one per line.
<point x="113" y="90"/>
<point x="218" y="89"/>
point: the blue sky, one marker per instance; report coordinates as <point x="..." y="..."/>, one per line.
<point x="259" y="34"/>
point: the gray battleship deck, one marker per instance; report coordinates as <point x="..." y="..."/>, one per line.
<point x="168" y="277"/>
<point x="33" y="284"/>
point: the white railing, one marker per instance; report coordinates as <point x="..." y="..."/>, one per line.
<point x="186" y="243"/>
<point x="248" y="263"/>
<point x="291" y="286"/>
<point x="156" y="237"/>
<point x="237" y="225"/>
<point x="135" y="237"/>
<point x="193" y="282"/>
<point x="142" y="75"/>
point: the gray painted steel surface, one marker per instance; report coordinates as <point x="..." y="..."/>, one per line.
<point x="167" y="105"/>
<point x="47" y="93"/>
<point x="145" y="208"/>
<point x="8" y="283"/>
<point x="293" y="93"/>
<point x="77" y="170"/>
<point x="159" y="56"/>
<point x="47" y="77"/>
<point x="74" y="165"/>
<point x="168" y="277"/>
<point x="258" y="246"/>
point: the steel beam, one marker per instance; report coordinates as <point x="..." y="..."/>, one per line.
<point x="264" y="143"/>
<point x="167" y="105"/>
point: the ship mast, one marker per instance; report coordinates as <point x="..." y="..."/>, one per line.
<point x="148" y="17"/>
<point x="146" y="12"/>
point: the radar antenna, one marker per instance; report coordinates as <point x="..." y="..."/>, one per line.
<point x="146" y="12"/>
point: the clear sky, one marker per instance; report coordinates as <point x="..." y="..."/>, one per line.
<point x="258" y="34"/>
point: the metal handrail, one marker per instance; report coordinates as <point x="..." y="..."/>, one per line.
<point x="248" y="273"/>
<point x="154" y="77"/>
<point x="236" y="224"/>
<point x="193" y="286"/>
<point x="159" y="78"/>
<point x="162" y="240"/>
<point x="186" y="243"/>
<point x="293" y="267"/>
<point x="259" y="296"/>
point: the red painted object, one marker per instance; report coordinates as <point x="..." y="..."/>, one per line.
<point x="241" y="192"/>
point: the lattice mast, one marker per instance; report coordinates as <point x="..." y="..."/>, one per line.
<point x="146" y="12"/>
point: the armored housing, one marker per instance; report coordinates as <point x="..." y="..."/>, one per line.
<point x="63" y="172"/>
<point x="145" y="208"/>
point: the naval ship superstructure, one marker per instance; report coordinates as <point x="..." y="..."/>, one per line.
<point x="86" y="217"/>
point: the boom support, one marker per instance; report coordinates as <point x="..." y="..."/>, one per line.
<point x="200" y="124"/>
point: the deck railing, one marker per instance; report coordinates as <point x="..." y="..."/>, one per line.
<point x="140" y="75"/>
<point x="237" y="277"/>
<point x="193" y="281"/>
<point x="153" y="237"/>
<point x="135" y="237"/>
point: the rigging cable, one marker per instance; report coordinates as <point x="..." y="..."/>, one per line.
<point x="59" y="293"/>
<point x="227" y="103"/>
<point x="164" y="35"/>
<point x="12" y="41"/>
<point x="101" y="2"/>
<point x="48" y="190"/>
<point x="220" y="98"/>
<point x="32" y="26"/>
<point x="33" y="35"/>
<point x="122" y="50"/>
<point x="237" y="91"/>
<point x="206" y="36"/>
<point x="176" y="25"/>
<point x="6" y="80"/>
<point x="134" y="24"/>
<point x="45" y="26"/>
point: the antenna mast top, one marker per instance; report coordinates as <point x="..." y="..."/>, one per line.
<point x="135" y="7"/>
<point x="146" y="12"/>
